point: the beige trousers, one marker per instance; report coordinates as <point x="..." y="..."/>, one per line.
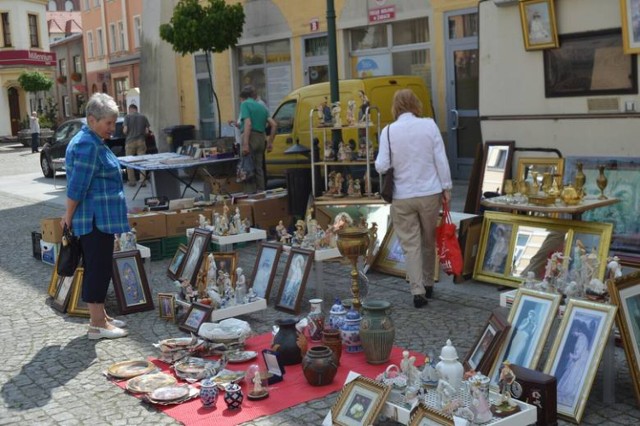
<point x="414" y="221"/>
<point x="134" y="147"/>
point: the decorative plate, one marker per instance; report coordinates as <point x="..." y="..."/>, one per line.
<point x="195" y="368"/>
<point x="225" y="377"/>
<point x="150" y="382"/>
<point x="129" y="369"/>
<point x="169" y="393"/>
<point x="241" y="356"/>
<point x="192" y="393"/>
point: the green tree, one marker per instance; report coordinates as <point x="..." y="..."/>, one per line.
<point x="34" y="82"/>
<point x="210" y="27"/>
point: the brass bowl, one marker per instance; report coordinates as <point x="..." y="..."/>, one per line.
<point x="541" y="200"/>
<point x="353" y="241"/>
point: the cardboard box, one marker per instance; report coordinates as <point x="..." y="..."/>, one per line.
<point x="49" y="252"/>
<point x="149" y="226"/>
<point x="51" y="230"/>
<point x="221" y="186"/>
<point x="178" y="222"/>
<point x="267" y="212"/>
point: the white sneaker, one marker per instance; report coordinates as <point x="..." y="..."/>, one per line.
<point x="96" y="333"/>
<point x="117" y="323"/>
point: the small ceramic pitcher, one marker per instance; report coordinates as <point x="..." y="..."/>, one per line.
<point x="208" y="393"/>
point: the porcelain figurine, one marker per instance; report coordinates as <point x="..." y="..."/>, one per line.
<point x="348" y="152"/>
<point x="324" y="112"/>
<point x="341" y="152"/>
<point x="216" y="223"/>
<point x="480" y="406"/>
<point x="357" y="190"/>
<point x="237" y="220"/>
<point x="283" y="234"/>
<point x="507" y="377"/>
<point x="429" y="374"/>
<point x="328" y="150"/>
<point x="407" y="366"/>
<point x="246" y="225"/>
<point x="446" y="393"/>
<point x="363" y="116"/>
<point x="116" y="243"/>
<point x="350" y="190"/>
<point x="335" y="112"/>
<point x="449" y="368"/>
<point x="351" y="108"/>
<point x="203" y="222"/>
<point x="241" y="287"/>
<point x="613" y="268"/>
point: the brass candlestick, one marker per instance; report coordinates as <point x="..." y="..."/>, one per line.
<point x="353" y="243"/>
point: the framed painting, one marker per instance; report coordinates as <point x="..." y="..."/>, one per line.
<point x="167" y="306"/>
<point x="530" y="317"/>
<point x="53" y="283"/>
<point x="77" y="307"/>
<point x="539" y="29"/>
<point x="63" y="293"/>
<point x="424" y="415"/>
<point x="197" y="314"/>
<point x="130" y="283"/>
<point x="590" y="64"/>
<point x="294" y="280"/>
<point x="176" y="262"/>
<point x="576" y="352"/>
<point x="623" y="176"/>
<point x="481" y="356"/>
<point x="390" y="258"/>
<point x="625" y="293"/>
<point x="359" y="402"/>
<point x="227" y="262"/>
<point x="630" y="12"/>
<point x="196" y="249"/>
<point x="265" y="268"/>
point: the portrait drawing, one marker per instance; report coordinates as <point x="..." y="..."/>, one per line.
<point x="539" y="23"/>
<point x="131" y="282"/>
<point x="293" y="281"/>
<point x="495" y="257"/>
<point x="194" y="255"/>
<point x="265" y="265"/>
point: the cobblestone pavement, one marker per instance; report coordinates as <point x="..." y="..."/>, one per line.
<point x="51" y="374"/>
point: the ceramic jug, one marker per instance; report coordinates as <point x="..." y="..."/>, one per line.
<point x="319" y="366"/>
<point x="350" y="332"/>
<point x="233" y="396"/>
<point x="449" y="368"/>
<point x="315" y="320"/>
<point x="208" y="393"/>
<point x="286" y="342"/>
<point x="377" y="331"/>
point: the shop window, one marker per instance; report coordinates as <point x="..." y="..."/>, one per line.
<point x="77" y="64"/>
<point x="461" y="26"/>
<point x="317" y="46"/>
<point x="6" y="29"/>
<point x="121" y="36"/>
<point x="34" y="37"/>
<point x="112" y="37"/>
<point x="137" y="31"/>
<point x="410" y="32"/>
<point x="100" y="41"/>
<point x="278" y="51"/>
<point x="63" y="66"/>
<point x="413" y="62"/>
<point x="372" y="37"/>
<point x="90" y="48"/>
<point x="68" y="6"/>
<point x="52" y="6"/>
<point x="251" y="55"/>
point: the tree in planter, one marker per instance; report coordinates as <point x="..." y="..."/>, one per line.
<point x="212" y="28"/>
<point x="34" y="82"/>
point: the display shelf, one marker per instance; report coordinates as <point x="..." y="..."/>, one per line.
<point x="232" y="311"/>
<point x="586" y="204"/>
<point x="226" y="242"/>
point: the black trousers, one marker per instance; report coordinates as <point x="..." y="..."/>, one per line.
<point x="35" y="141"/>
<point x="97" y="255"/>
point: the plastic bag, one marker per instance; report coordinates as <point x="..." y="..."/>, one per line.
<point x="246" y="169"/>
<point x="447" y="244"/>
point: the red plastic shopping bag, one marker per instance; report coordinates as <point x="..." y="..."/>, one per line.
<point x="447" y="244"/>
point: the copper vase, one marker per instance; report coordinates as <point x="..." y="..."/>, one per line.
<point x="331" y="339"/>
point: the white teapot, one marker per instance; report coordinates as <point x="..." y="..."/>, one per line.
<point x="449" y="368"/>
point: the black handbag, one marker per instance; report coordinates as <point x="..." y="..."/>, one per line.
<point x="70" y="253"/>
<point x="387" y="180"/>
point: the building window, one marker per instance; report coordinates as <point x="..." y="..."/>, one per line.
<point x="206" y="103"/>
<point x="112" y="37"/>
<point x="63" y="67"/>
<point x="68" y="6"/>
<point x="80" y="104"/>
<point x="317" y="46"/>
<point x="85" y="5"/>
<point x="122" y="86"/>
<point x="66" y="108"/>
<point x="77" y="64"/>
<point x="90" y="51"/>
<point x="461" y="26"/>
<point x="33" y="31"/>
<point x="137" y="31"/>
<point x="121" y="36"/>
<point x="96" y="3"/>
<point x="100" y="41"/>
<point x="6" y="29"/>
<point x="52" y="6"/>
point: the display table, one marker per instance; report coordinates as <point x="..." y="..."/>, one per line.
<point x="231" y="311"/>
<point x="587" y="203"/>
<point x="162" y="170"/>
<point x="226" y="242"/>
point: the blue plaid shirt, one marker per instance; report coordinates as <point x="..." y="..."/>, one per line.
<point x="94" y="179"/>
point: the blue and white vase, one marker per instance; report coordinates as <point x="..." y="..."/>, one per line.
<point x="350" y="332"/>
<point x="208" y="393"/>
<point x="337" y="315"/>
<point x="233" y="396"/>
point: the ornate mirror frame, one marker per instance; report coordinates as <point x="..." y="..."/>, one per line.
<point x="539" y="164"/>
<point x="492" y="163"/>
<point x="502" y="228"/>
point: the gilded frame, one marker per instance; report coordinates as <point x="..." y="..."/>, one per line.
<point x="264" y="270"/>
<point x="625" y="292"/>
<point x="425" y="415"/>
<point x="368" y="393"/>
<point x="539" y="30"/>
<point x="592" y="321"/>
<point x="227" y="262"/>
<point x="483" y="352"/>
<point x="77" y="307"/>
<point x="53" y="283"/>
<point x="390" y="258"/>
<point x="167" y="306"/>
<point x="294" y="280"/>
<point x="630" y="28"/>
<point x="492" y="242"/>
<point x="532" y="313"/>
<point x="540" y="165"/>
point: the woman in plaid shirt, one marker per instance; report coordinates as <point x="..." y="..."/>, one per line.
<point x="96" y="208"/>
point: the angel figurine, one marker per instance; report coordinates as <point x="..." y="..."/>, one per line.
<point x="241" y="287"/>
<point x="212" y="272"/>
<point x="335" y="111"/>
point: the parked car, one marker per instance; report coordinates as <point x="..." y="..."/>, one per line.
<point x="67" y="130"/>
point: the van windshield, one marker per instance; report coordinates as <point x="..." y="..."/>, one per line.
<point x="284" y="116"/>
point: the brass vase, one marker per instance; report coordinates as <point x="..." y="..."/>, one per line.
<point x="581" y="179"/>
<point x="353" y="243"/>
<point x="601" y="181"/>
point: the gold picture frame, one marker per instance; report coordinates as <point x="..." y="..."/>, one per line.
<point x="530" y="317"/>
<point x="539" y="29"/>
<point x="625" y="293"/>
<point x="630" y="28"/>
<point x="541" y="165"/>
<point x="513" y="245"/>
<point x="167" y="306"/>
<point x="576" y="353"/>
<point x="77" y="307"/>
<point x="424" y="416"/>
<point x="53" y="283"/>
<point x="359" y="402"/>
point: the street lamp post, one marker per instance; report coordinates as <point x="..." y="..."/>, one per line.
<point x="333" y="64"/>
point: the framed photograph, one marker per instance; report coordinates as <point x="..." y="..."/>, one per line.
<point x="538" y="24"/>
<point x="531" y="316"/>
<point x="63" y="293"/>
<point x="483" y="352"/>
<point x="576" y="353"/>
<point x="590" y="64"/>
<point x="265" y="268"/>
<point x="197" y="314"/>
<point x="390" y="258"/>
<point x="294" y="280"/>
<point x="130" y="283"/>
<point x="77" y="307"/>
<point x="494" y="258"/>
<point x="427" y="416"/>
<point x="53" y="283"/>
<point x="167" y="306"/>
<point x="625" y="293"/>
<point x="176" y="262"/>
<point x="630" y="12"/>
<point x="227" y="263"/>
<point x="196" y="249"/>
<point x="359" y="402"/>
